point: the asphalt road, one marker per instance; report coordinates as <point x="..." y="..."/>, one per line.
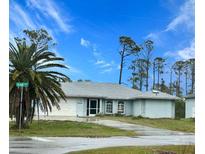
<point x="59" y="145"/>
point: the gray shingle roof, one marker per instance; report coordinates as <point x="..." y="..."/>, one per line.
<point x="190" y="96"/>
<point x="108" y="91"/>
<point x="159" y="95"/>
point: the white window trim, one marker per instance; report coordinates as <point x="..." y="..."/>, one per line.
<point x="93" y="108"/>
<point x="106" y="107"/>
<point x="123" y="107"/>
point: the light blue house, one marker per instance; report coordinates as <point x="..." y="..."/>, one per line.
<point x="190" y="106"/>
<point x="91" y="98"/>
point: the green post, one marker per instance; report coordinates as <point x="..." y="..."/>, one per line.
<point x="21" y="85"/>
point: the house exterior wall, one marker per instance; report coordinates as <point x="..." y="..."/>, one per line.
<point x="145" y="108"/>
<point x="128" y="108"/>
<point x="190" y="108"/>
<point x="138" y="108"/>
<point x="159" y="109"/>
<point x="68" y="108"/>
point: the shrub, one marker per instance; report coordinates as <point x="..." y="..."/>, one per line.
<point x="138" y="117"/>
<point x="99" y="115"/>
<point x="179" y="109"/>
<point x="118" y="115"/>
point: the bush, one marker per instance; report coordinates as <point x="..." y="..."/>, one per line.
<point x="192" y="119"/>
<point x="99" y="115"/>
<point x="138" y="117"/>
<point x="118" y="115"/>
<point x="179" y="109"/>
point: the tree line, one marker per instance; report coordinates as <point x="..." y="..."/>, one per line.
<point x="143" y="62"/>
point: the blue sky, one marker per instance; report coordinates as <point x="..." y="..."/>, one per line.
<point x="87" y="32"/>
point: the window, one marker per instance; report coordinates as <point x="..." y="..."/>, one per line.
<point x="109" y="107"/>
<point x="121" y="107"/>
<point x="93" y="106"/>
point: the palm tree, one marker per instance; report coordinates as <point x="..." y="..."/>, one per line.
<point x="38" y="67"/>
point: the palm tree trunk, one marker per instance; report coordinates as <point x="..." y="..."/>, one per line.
<point x="33" y="109"/>
<point x="17" y="116"/>
<point x="38" y="109"/>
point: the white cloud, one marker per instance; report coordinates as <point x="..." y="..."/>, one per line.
<point x="84" y="42"/>
<point x="118" y="66"/>
<point x="185" y="17"/>
<point x="49" y="9"/>
<point x="170" y="54"/>
<point x="74" y="70"/>
<point x="74" y="73"/>
<point x="99" y="59"/>
<point x="188" y="52"/>
<point x="94" y="46"/>
<point x="20" y="17"/>
<point x="99" y="62"/>
<point x="88" y="44"/>
<point x="106" y="65"/>
<point x="155" y="37"/>
<point x="106" y="70"/>
<point x="96" y="54"/>
<point x="185" y="53"/>
<point x="12" y="35"/>
<point x="23" y="20"/>
<point x="183" y="22"/>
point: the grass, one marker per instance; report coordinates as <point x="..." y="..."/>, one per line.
<point x="68" y="128"/>
<point x="184" y="125"/>
<point x="181" y="149"/>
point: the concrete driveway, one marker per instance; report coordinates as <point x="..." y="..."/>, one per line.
<point x="139" y="129"/>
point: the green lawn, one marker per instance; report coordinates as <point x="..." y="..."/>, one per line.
<point x="186" y="149"/>
<point x="185" y="125"/>
<point x="68" y="128"/>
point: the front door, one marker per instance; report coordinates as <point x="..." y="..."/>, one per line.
<point x="93" y="107"/>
